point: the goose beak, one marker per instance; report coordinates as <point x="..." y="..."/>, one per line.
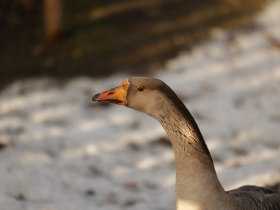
<point x="116" y="95"/>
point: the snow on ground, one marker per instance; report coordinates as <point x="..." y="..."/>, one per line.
<point x="60" y="151"/>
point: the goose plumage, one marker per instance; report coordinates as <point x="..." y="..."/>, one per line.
<point x="197" y="184"/>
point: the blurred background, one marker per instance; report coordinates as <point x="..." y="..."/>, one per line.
<point x="61" y="151"/>
<point x="71" y="38"/>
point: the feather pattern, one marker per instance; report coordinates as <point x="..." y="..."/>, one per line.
<point x="259" y="198"/>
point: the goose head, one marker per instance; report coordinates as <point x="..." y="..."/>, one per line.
<point x="146" y="95"/>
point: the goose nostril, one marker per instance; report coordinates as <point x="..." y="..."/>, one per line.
<point x="111" y="93"/>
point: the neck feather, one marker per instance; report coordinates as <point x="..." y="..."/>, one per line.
<point x="196" y="181"/>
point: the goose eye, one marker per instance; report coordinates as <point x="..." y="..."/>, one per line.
<point x="140" y="89"/>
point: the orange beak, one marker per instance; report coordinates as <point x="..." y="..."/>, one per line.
<point x="116" y="95"/>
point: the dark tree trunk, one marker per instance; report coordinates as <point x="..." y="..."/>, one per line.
<point x="53" y="13"/>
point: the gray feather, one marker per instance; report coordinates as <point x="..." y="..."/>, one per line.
<point x="258" y="198"/>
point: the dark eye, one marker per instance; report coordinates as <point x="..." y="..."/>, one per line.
<point x="140" y="89"/>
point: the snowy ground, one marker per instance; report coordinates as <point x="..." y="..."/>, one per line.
<point x="60" y="151"/>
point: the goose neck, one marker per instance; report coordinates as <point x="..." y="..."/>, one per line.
<point x="196" y="181"/>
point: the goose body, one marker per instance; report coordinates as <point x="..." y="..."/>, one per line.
<point x="197" y="184"/>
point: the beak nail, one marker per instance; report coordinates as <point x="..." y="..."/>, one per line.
<point x="95" y="97"/>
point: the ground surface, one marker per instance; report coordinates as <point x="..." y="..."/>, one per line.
<point x="60" y="151"/>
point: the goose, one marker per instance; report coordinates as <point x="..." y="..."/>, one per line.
<point x="197" y="184"/>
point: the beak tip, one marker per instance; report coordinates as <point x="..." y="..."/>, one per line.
<point x="95" y="97"/>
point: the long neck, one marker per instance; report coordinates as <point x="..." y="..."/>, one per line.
<point x="197" y="185"/>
